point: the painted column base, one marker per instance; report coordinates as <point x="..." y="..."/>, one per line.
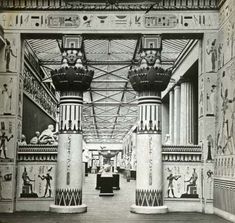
<point x="148" y="209"/>
<point x="68" y="209"/>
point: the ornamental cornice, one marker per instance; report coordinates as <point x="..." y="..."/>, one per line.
<point x="109" y="5"/>
<point x="37" y="149"/>
<point x="181" y="149"/>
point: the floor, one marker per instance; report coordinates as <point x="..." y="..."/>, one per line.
<point x="108" y="210"/>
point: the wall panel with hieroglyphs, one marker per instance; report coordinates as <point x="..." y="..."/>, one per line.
<point x="224" y="189"/>
<point x="104" y="21"/>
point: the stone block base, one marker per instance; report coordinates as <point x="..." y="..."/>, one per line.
<point x="148" y="209"/>
<point x="183" y="205"/>
<point x="68" y="209"/>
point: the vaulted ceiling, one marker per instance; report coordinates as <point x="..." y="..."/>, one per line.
<point x="110" y="108"/>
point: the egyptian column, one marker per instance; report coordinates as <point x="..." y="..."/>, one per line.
<point x="71" y="80"/>
<point x="148" y="80"/>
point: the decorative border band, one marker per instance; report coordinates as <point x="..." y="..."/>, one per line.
<point x="68" y="197"/>
<point x="149" y="198"/>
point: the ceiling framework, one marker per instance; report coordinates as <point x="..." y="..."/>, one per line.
<point x="110" y="106"/>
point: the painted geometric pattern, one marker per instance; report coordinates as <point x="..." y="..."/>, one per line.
<point x="149" y="198"/>
<point x="68" y="197"/>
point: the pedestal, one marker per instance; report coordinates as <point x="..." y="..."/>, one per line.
<point x="115" y="182"/>
<point x="106" y="186"/>
<point x="98" y="181"/>
<point x="133" y="174"/>
<point x="86" y="169"/>
<point x="116" y="185"/>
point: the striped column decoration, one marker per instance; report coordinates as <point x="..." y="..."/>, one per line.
<point x="68" y="196"/>
<point x="149" y="197"/>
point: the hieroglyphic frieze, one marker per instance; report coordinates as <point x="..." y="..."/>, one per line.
<point x="84" y="21"/>
<point x="55" y="21"/>
<point x="160" y="21"/>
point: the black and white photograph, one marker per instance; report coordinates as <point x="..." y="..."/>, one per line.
<point x="117" y="111"/>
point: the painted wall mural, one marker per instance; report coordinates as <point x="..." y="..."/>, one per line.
<point x="7" y="140"/>
<point x="7" y="94"/>
<point x="208" y="180"/>
<point x="20" y="97"/>
<point x="226" y="111"/>
<point x="207" y="109"/>
<point x="6" y="177"/>
<point x="201" y="96"/>
<point x="129" y="152"/>
<point x="8" y="55"/>
<point x="182" y="181"/>
<point x="226" y="43"/>
<point x="210" y="53"/>
<point x="224" y="181"/>
<point x="36" y="180"/>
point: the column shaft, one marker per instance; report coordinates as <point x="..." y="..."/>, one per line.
<point x="69" y="158"/>
<point x="171" y="116"/>
<point x="177" y="114"/>
<point x="165" y="121"/>
<point x="149" y="158"/>
<point x="183" y="113"/>
<point x="187" y="114"/>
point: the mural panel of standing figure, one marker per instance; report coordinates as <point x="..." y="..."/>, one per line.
<point x="8" y="54"/>
<point x="3" y="140"/>
<point x="48" y="179"/>
<point x="7" y="95"/>
<point x="213" y="53"/>
<point x="211" y="101"/>
<point x="170" y="179"/>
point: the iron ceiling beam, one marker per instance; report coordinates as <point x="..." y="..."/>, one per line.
<point x="109" y="81"/>
<point x="93" y="63"/>
<point x="110" y="116"/>
<point x="111" y="103"/>
<point x="110" y="72"/>
<point x="110" y="89"/>
<point x="97" y="63"/>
